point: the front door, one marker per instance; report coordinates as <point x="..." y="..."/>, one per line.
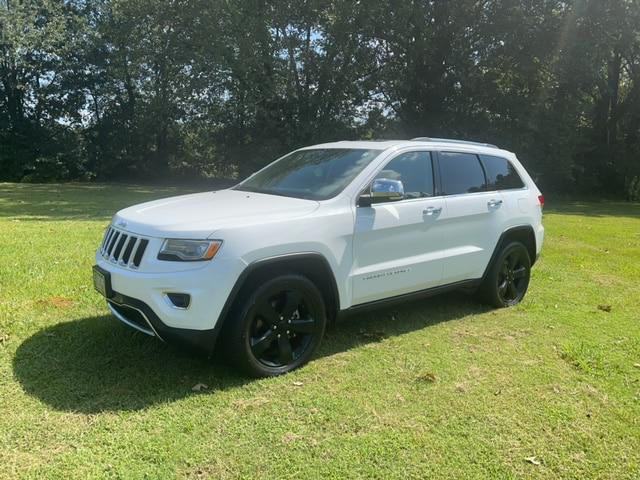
<point x="397" y="245"/>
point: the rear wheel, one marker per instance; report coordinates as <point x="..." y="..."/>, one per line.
<point x="507" y="280"/>
<point x="277" y="328"/>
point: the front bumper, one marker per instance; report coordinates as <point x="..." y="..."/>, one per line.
<point x="139" y="300"/>
<point x="138" y="315"/>
<point x="133" y="318"/>
<point x="209" y="286"/>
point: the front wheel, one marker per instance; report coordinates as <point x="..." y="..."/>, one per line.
<point x="508" y="277"/>
<point x="277" y="328"/>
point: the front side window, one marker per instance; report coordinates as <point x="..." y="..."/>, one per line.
<point x="461" y="173"/>
<point x="501" y="174"/>
<point x="316" y="174"/>
<point x="414" y="170"/>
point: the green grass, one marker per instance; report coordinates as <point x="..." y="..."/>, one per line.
<point x="440" y="388"/>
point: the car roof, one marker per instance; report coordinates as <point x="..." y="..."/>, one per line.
<point x="436" y="143"/>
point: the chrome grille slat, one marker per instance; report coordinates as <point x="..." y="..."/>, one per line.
<point x="119" y="245"/>
<point x="133" y="253"/>
<point x="123" y="248"/>
<point x="112" y="243"/>
<point x="106" y="240"/>
<point x="126" y="253"/>
<point x="137" y="258"/>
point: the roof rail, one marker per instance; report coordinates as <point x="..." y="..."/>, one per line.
<point x="450" y="140"/>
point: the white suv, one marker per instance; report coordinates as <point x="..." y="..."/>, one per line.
<point x="261" y="268"/>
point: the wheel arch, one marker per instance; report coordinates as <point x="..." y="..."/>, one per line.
<point x="312" y="265"/>
<point x="521" y="233"/>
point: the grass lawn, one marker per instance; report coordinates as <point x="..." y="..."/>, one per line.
<point x="440" y="388"/>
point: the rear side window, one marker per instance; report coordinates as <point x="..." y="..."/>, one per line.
<point x="461" y="173"/>
<point x="501" y="174"/>
<point x="414" y="170"/>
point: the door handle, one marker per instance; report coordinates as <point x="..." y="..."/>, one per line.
<point x="494" y="203"/>
<point x="431" y="211"/>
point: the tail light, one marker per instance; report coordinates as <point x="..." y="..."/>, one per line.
<point x="541" y="200"/>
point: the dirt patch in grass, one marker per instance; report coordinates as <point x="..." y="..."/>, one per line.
<point x="56" y="302"/>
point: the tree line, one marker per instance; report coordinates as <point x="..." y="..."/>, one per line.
<point x="148" y="89"/>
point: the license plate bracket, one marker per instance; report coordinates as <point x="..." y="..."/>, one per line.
<point x="102" y="282"/>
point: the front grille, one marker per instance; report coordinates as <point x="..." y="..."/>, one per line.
<point x="123" y="248"/>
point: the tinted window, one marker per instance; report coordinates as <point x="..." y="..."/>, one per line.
<point x="501" y="175"/>
<point x="461" y="173"/>
<point x="414" y="170"/>
<point x="315" y="174"/>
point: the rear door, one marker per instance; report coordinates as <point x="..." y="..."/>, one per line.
<point x="474" y="217"/>
<point x="397" y="244"/>
<point x="502" y="176"/>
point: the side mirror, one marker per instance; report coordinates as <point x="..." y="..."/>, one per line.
<point x="382" y="190"/>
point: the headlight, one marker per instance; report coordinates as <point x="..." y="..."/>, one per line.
<point x="188" y="250"/>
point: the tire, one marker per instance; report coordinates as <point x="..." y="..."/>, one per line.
<point x="508" y="277"/>
<point x="277" y="328"/>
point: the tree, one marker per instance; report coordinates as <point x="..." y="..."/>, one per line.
<point x="39" y="101"/>
<point x="117" y="89"/>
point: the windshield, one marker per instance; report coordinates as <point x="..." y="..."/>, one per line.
<point x="316" y="174"/>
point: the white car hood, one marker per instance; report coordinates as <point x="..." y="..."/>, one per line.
<point x="200" y="215"/>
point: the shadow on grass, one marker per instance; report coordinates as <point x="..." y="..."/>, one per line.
<point x="95" y="364"/>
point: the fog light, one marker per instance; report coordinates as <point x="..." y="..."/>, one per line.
<point x="179" y="300"/>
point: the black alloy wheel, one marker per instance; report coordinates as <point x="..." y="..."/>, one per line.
<point x="282" y="328"/>
<point x="508" y="277"/>
<point x="277" y="328"/>
<point x="513" y="277"/>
